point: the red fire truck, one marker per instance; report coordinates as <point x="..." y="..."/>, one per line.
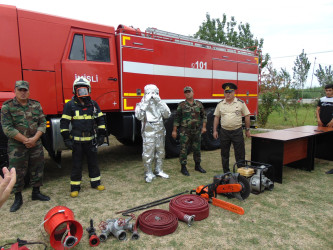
<point x="50" y="52"/>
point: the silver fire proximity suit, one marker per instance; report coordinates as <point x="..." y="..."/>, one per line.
<point x="151" y="111"/>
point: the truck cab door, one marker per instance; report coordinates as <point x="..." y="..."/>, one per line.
<point x="92" y="55"/>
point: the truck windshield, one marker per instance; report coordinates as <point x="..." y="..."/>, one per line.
<point x="97" y="48"/>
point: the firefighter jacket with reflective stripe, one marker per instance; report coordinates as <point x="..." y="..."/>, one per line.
<point x="83" y="118"/>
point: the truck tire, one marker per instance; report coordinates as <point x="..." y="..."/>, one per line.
<point x="208" y="142"/>
<point x="172" y="146"/>
<point x="128" y="142"/>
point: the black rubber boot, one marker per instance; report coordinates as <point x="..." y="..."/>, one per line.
<point x="17" y="202"/>
<point x="37" y="195"/>
<point x="330" y="171"/>
<point x="184" y="171"/>
<point x="199" y="168"/>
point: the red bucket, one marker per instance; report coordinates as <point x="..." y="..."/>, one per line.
<point x="64" y="231"/>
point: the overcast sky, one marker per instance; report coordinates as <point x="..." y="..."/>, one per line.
<point x="287" y="26"/>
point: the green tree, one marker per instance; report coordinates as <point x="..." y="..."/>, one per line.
<point x="324" y="76"/>
<point x="278" y="83"/>
<point x="300" y="74"/>
<point x="300" y="70"/>
<point x="229" y="33"/>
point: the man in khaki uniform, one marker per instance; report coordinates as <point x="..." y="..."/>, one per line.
<point x="230" y="112"/>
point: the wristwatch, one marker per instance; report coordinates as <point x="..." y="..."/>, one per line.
<point x="247" y="129"/>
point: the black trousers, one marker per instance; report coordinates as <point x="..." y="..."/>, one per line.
<point x="90" y="151"/>
<point x="236" y="138"/>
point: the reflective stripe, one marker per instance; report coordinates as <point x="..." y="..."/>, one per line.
<point x="166" y="70"/>
<point x="99" y="114"/>
<point x="63" y="130"/>
<point x="101" y="126"/>
<point x="76" y="138"/>
<point x="95" y="179"/>
<point x="82" y="117"/>
<point x="66" y="117"/>
<point x="75" y="182"/>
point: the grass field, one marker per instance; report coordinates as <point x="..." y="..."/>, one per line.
<point x="297" y="214"/>
<point x="304" y="116"/>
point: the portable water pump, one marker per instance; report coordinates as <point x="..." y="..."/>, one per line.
<point x="255" y="171"/>
<point x="259" y="182"/>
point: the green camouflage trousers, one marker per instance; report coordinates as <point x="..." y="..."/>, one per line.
<point x="26" y="160"/>
<point x="190" y="138"/>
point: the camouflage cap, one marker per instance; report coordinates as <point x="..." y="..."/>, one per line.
<point x="22" y="84"/>
<point x="188" y="88"/>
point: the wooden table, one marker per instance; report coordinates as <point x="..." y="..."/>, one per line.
<point x="296" y="147"/>
<point x="323" y="140"/>
<point x="283" y="147"/>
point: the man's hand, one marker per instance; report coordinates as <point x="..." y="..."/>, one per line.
<point x="203" y="130"/>
<point x="6" y="184"/>
<point x="156" y="98"/>
<point x="320" y="124"/>
<point x="247" y="133"/>
<point x="30" y="142"/>
<point x="174" y="134"/>
<point x="69" y="143"/>
<point x="330" y="124"/>
<point x="147" y="97"/>
<point x="215" y="135"/>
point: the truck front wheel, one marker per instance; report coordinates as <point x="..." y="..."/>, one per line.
<point x="172" y="146"/>
<point x="208" y="142"/>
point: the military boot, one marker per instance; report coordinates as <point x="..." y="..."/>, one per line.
<point x="17" y="202"/>
<point x="199" y="168"/>
<point x="184" y="171"/>
<point x="37" y="195"/>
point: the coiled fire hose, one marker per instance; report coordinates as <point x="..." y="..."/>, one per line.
<point x="157" y="222"/>
<point x="189" y="207"/>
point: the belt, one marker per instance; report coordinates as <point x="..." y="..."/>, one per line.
<point x="77" y="132"/>
<point x="157" y="222"/>
<point x="87" y="138"/>
<point x="86" y="134"/>
<point x="187" y="205"/>
<point x="231" y="129"/>
<point x="155" y="123"/>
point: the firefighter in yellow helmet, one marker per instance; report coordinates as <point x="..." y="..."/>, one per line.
<point x="85" y="115"/>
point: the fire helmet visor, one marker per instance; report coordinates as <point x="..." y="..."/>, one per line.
<point x="82" y="92"/>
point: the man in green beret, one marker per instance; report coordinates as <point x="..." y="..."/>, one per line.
<point x="23" y="122"/>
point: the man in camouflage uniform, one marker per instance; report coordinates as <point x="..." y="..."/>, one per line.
<point x="23" y="122"/>
<point x="189" y="118"/>
<point x="229" y="112"/>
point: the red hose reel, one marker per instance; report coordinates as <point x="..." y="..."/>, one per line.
<point x="64" y="231"/>
<point x="189" y="207"/>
